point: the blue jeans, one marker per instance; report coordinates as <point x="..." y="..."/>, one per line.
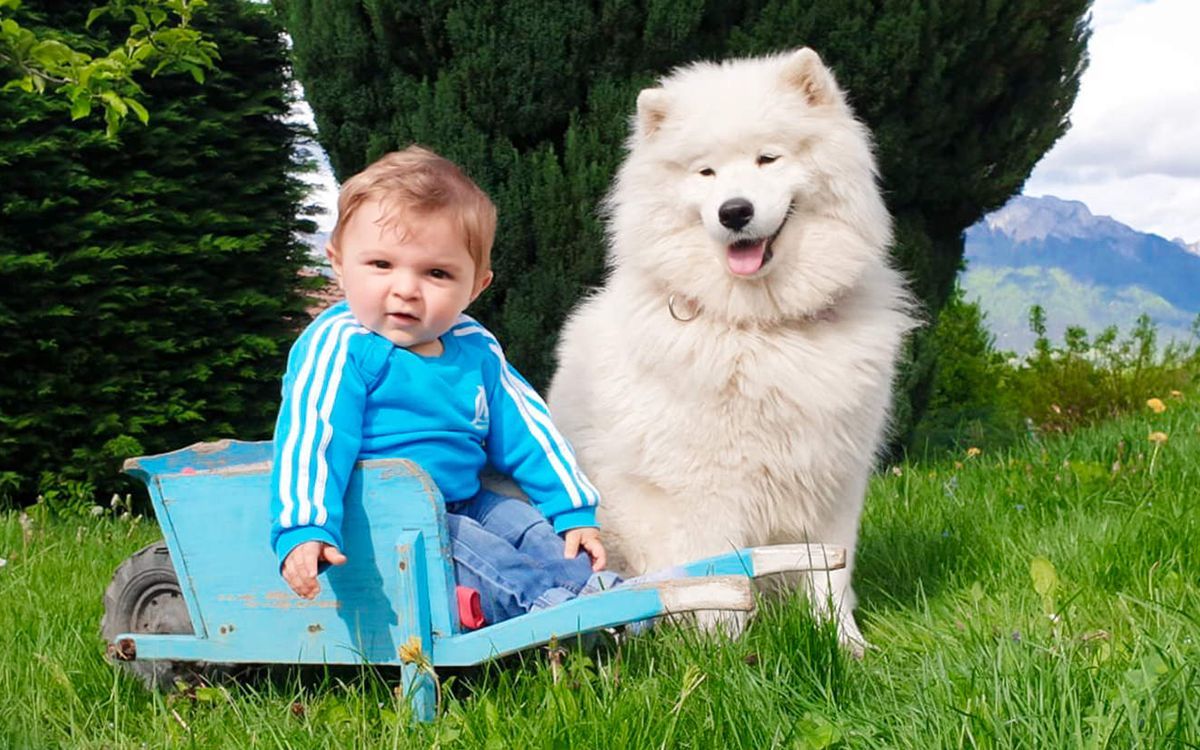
<point x="508" y="552"/>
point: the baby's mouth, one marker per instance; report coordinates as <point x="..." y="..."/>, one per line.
<point x="399" y="317"/>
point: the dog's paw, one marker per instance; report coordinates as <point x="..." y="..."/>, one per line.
<point x="731" y="624"/>
<point x="851" y="638"/>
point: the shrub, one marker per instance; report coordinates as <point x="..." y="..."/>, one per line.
<point x="150" y="281"/>
<point x="1087" y="380"/>
<point x="969" y="404"/>
<point x="982" y="397"/>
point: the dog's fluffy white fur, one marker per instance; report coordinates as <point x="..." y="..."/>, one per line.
<point x="750" y="413"/>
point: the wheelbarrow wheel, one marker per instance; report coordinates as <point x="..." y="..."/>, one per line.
<point x="144" y="597"/>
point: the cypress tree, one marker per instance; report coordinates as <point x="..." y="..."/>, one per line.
<point x="150" y="281"/>
<point x="533" y="99"/>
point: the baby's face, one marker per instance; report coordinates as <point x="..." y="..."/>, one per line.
<point x="408" y="282"/>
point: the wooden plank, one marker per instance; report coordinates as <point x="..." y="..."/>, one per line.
<point x="616" y="606"/>
<point x="779" y="558"/>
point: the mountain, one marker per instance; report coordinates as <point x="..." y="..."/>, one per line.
<point x="1193" y="248"/>
<point x="1083" y="269"/>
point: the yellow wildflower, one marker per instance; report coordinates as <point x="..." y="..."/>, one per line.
<point x="972" y="452"/>
<point x="1156" y="405"/>
<point x="410" y="651"/>
<point x="1176" y="394"/>
<point x="1158" y="437"/>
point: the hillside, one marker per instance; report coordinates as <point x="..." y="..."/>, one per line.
<point x="1083" y="269"/>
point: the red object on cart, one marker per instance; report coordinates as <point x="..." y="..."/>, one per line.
<point x="470" y="611"/>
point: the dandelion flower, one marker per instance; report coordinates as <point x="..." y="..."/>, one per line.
<point x="1158" y="437"/>
<point x="1176" y="394"/>
<point x="972" y="452"/>
<point x="1156" y="405"/>
<point x="410" y="651"/>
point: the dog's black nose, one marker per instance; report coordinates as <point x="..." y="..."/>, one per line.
<point x="735" y="213"/>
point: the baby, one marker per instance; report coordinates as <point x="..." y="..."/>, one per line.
<point x="397" y="370"/>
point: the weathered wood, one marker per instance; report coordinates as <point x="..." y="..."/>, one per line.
<point x="779" y="558"/>
<point x="393" y="602"/>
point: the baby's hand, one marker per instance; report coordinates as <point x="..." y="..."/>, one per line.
<point x="587" y="537"/>
<point x="300" y="566"/>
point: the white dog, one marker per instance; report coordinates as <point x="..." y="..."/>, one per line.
<point x="730" y="384"/>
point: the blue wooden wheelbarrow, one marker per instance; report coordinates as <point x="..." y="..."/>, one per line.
<point x="211" y="594"/>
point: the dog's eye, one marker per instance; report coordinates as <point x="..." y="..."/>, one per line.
<point x="708" y="172"/>
<point x="765" y="159"/>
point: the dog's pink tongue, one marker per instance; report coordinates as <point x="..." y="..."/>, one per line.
<point x="744" y="261"/>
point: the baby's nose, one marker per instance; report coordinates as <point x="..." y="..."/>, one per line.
<point x="405" y="286"/>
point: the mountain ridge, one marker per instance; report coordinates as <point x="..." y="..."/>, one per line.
<point x="1083" y="269"/>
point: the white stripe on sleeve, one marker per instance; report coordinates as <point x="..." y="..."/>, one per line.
<point x="303" y="415"/>
<point x="327" y="427"/>
<point x="292" y="407"/>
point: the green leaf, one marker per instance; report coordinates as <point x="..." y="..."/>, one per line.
<point x="976" y="592"/>
<point x="141" y="51"/>
<point x="114" y="102"/>
<point x="51" y="52"/>
<point x="94" y="14"/>
<point x="112" y="122"/>
<point x="81" y="106"/>
<point x="1045" y="577"/>
<point x="138" y="110"/>
<point x="817" y="732"/>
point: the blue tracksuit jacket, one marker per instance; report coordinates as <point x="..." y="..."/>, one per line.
<point x="350" y="394"/>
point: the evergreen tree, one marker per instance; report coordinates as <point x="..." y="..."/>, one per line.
<point x="533" y="99"/>
<point x="150" y="281"/>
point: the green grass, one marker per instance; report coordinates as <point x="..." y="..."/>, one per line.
<point x="1103" y="652"/>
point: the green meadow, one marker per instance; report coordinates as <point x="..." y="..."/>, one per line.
<point x="1045" y="596"/>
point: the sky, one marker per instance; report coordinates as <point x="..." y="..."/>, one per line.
<point x="1133" y="150"/>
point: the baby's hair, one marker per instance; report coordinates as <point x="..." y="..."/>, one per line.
<point x="418" y="181"/>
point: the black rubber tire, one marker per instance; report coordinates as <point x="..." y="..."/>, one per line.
<point x="144" y="597"/>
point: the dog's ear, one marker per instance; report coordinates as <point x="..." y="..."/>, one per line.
<point x="805" y="72"/>
<point x="652" y="106"/>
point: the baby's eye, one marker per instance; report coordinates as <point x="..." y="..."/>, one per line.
<point x="439" y="273"/>
<point x="708" y="172"/>
<point x="382" y="265"/>
<point x="766" y="159"/>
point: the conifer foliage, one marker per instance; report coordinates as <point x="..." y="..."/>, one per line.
<point x="534" y="99"/>
<point x="149" y="281"/>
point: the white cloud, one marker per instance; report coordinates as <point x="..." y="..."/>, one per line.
<point x="1132" y="151"/>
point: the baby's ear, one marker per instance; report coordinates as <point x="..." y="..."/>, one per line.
<point x="335" y="261"/>
<point x="480" y="284"/>
<point x="652" y="107"/>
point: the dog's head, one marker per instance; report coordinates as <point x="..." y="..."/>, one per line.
<point x="750" y="184"/>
